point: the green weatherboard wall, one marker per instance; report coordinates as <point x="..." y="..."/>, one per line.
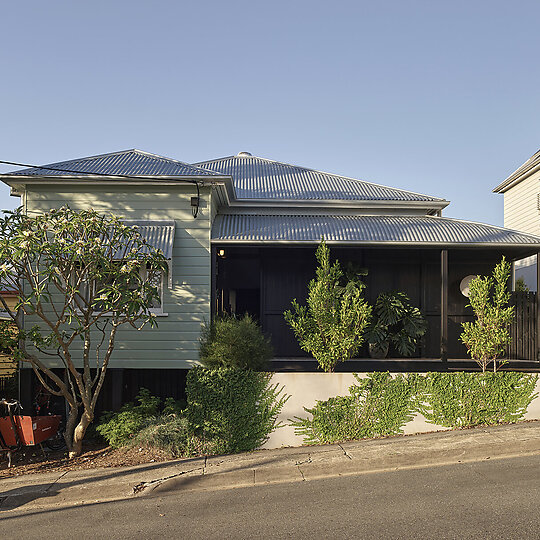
<point x="174" y="344"/>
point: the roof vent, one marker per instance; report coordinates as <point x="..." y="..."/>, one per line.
<point x="243" y="154"/>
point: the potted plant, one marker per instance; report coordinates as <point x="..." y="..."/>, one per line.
<point x="395" y="322"/>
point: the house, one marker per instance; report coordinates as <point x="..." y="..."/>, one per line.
<point x="240" y="233"/>
<point x="521" y="193"/>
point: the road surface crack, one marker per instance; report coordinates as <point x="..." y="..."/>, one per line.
<point x="56" y="481"/>
<point x="141" y="486"/>
<point x="308" y="460"/>
<point x="345" y="452"/>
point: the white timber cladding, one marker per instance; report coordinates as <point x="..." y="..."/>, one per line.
<point x="521" y="205"/>
<point x="174" y="344"/>
<point x="521" y="212"/>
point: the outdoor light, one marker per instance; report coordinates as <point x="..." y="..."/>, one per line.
<point x="195" y="201"/>
<point x="464" y="285"/>
<point x="221" y="253"/>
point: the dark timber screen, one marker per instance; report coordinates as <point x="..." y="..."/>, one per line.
<point x="523" y="331"/>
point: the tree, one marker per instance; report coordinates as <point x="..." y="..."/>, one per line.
<point x="488" y="336"/>
<point x="80" y="276"/>
<point x="521" y="286"/>
<point x="332" y="325"/>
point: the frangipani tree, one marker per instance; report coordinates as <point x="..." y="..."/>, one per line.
<point x="79" y="277"/>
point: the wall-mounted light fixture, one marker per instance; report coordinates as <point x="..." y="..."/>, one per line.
<point x="195" y="201"/>
<point x="221" y="253"/>
<point x="464" y="285"/>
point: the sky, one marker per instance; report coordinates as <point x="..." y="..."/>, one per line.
<point x="436" y="97"/>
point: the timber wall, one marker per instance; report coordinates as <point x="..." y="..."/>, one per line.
<point x="174" y="344"/>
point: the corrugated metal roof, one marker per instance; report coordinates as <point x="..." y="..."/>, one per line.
<point x="259" y="178"/>
<point x="158" y="234"/>
<point x="530" y="164"/>
<point x="127" y="162"/>
<point x="407" y="230"/>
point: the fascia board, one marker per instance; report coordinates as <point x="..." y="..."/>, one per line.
<point x="100" y="179"/>
<point x="512" y="181"/>
<point x="227" y="183"/>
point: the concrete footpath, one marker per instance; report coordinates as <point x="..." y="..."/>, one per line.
<point x="73" y="488"/>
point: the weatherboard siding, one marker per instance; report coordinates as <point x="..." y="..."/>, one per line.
<point x="521" y="205"/>
<point x="521" y="212"/>
<point x="174" y="344"/>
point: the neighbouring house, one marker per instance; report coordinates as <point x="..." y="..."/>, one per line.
<point x="240" y="233"/>
<point x="521" y="193"/>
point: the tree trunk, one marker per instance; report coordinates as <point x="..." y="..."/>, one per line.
<point x="70" y="426"/>
<point x="78" y="434"/>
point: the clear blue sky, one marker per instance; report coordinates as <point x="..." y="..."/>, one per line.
<point x="437" y="97"/>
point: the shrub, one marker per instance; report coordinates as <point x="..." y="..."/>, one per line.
<point x="471" y="399"/>
<point x="170" y="433"/>
<point x="487" y="337"/>
<point x="234" y="410"/>
<point x="332" y="324"/>
<point x="396" y="321"/>
<point x="230" y="342"/>
<point x="119" y="428"/>
<point x="378" y="405"/>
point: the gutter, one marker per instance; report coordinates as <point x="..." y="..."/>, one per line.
<point x="511" y="181"/>
<point x="372" y="243"/>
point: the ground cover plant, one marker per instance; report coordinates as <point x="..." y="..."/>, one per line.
<point x="472" y="399"/>
<point x="331" y="326"/>
<point x="119" y="428"/>
<point x="377" y="405"/>
<point x="381" y="404"/>
<point x="79" y="276"/>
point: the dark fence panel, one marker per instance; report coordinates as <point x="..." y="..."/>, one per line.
<point x="524" y="344"/>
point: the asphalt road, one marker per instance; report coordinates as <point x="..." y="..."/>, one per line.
<point x="489" y="499"/>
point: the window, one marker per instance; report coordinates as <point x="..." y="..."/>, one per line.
<point x="155" y="278"/>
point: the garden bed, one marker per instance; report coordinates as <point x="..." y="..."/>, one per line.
<point x="96" y="455"/>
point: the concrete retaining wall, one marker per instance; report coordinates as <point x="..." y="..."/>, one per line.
<point x="306" y="389"/>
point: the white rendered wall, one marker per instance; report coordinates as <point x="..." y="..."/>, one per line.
<point x="307" y="388"/>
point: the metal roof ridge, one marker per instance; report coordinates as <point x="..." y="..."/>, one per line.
<point x="165" y="158"/>
<point x="63" y="162"/>
<point x="156" y="157"/>
<point x="327" y="173"/>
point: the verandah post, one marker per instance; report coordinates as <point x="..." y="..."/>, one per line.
<point x="213" y="282"/>
<point x="444" y="305"/>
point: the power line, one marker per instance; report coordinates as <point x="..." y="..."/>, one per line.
<point x="195" y="207"/>
<point x="85" y="172"/>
